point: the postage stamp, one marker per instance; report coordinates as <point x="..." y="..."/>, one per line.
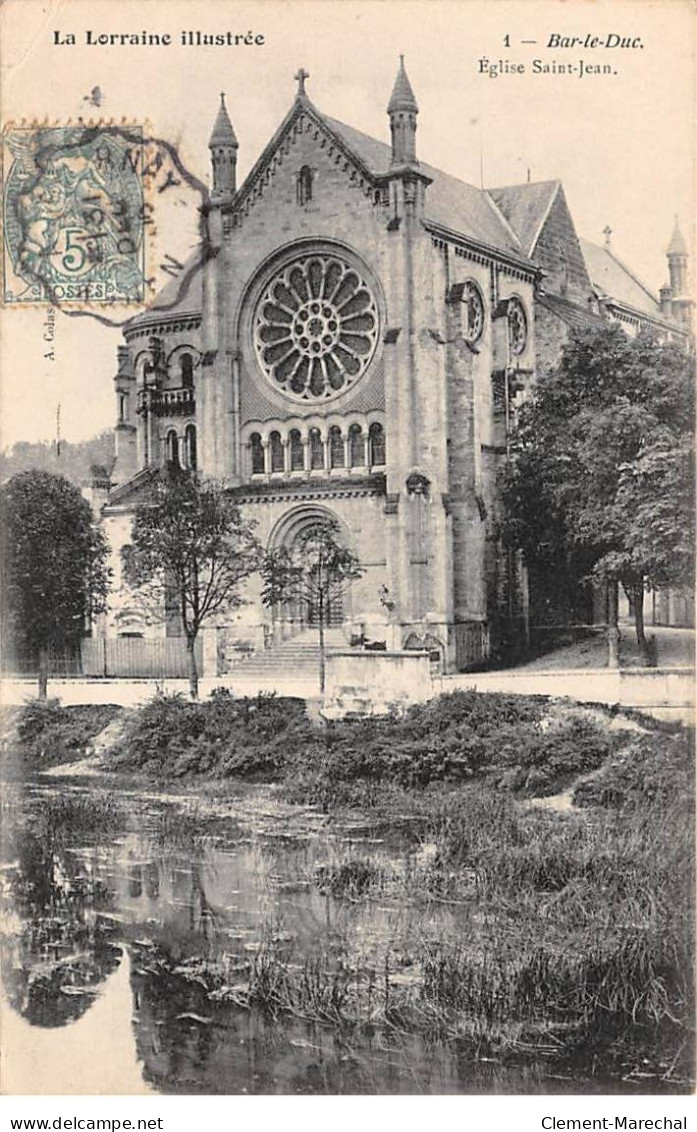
<point x="74" y="214"/>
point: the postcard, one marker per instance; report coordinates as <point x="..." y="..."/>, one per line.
<point x="347" y="503"/>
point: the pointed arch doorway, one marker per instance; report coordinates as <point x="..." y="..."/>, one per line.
<point x="293" y="532"/>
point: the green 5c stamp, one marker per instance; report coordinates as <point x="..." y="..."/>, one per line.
<point x="73" y="215"/>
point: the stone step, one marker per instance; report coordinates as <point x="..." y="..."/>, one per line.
<point x="296" y="657"/>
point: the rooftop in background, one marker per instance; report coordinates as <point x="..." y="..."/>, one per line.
<point x="610" y="275"/>
<point x="526" y="207"/>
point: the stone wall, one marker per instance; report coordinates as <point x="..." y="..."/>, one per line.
<point x="373" y="682"/>
<point x="559" y="253"/>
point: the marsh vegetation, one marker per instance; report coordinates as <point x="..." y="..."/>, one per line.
<point x="487" y="893"/>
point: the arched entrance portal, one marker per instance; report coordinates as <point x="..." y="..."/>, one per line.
<point x="294" y="533"/>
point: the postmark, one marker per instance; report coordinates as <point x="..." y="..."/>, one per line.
<point x="74" y="209"/>
<point x="97" y="218"/>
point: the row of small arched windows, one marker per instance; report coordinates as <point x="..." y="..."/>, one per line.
<point x="353" y="450"/>
<point x="180" y="451"/>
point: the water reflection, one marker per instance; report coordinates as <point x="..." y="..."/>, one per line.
<point x="117" y="913"/>
<point x="60" y="945"/>
<point x="95" y="1053"/>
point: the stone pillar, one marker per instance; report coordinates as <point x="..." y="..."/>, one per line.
<point x="209" y="651"/>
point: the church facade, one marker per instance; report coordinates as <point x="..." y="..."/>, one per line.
<point x="352" y="346"/>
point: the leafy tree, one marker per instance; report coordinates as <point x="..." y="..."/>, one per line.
<point x="190" y="551"/>
<point x="314" y="573"/>
<point x="602" y="480"/>
<point x="53" y="571"/>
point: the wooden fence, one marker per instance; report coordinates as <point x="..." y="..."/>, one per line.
<point x="161" y="658"/>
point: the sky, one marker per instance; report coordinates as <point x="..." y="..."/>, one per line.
<point x="622" y="144"/>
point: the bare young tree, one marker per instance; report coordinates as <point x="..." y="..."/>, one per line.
<point x="190" y="551"/>
<point x="314" y="573"/>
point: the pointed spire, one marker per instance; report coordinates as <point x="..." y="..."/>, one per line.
<point x="677" y="245"/>
<point x="223" y="133"/>
<point x="402" y="111"/>
<point x="223" y="146"/>
<point x="402" y="97"/>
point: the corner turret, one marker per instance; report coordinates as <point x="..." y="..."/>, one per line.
<point x="402" y="110"/>
<point x="677" y="261"/>
<point x="223" y="146"/>
<point x="675" y="298"/>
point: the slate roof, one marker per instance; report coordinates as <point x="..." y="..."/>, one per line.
<point x="526" y="208"/>
<point x="609" y="275"/>
<point x="677" y="245"/>
<point x="181" y="296"/>
<point x="138" y="485"/>
<point x="402" y="97"/>
<point x="570" y="313"/>
<point x="450" y="202"/>
<point x="223" y="133"/>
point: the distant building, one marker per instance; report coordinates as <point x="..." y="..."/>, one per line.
<point x="353" y="347"/>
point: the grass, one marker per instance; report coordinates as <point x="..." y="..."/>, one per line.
<point x="573" y="929"/>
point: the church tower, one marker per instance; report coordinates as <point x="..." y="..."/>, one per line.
<point x="402" y="110"/>
<point x="223" y="146"/>
<point x="677" y="255"/>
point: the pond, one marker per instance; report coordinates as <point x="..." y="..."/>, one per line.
<point x="136" y="923"/>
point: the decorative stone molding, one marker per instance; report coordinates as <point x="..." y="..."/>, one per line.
<point x="418" y="483"/>
<point x="316" y="327"/>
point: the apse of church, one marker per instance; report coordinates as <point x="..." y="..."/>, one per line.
<point x="353" y="348"/>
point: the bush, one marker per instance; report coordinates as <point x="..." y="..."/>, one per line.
<point x="452" y="740"/>
<point x="222" y="736"/>
<point x="51" y="734"/>
<point x="654" y="769"/>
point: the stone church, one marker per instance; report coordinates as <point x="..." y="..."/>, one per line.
<point x="353" y="347"/>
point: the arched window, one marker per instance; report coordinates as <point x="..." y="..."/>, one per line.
<point x="190" y="446"/>
<point x="172" y="448"/>
<point x="336" y="447"/>
<point x="123" y="407"/>
<point x="356" y="446"/>
<point x="304" y="185"/>
<point x="297" y="462"/>
<point x="186" y="368"/>
<point x="276" y="448"/>
<point x="376" y="445"/>
<point x="257" y="454"/>
<point x="316" y="449"/>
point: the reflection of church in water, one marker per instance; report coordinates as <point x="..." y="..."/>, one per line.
<point x="354" y="347"/>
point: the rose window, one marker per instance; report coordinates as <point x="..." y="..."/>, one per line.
<point x="517" y="326"/>
<point x="473" y="310"/>
<point x="316" y="328"/>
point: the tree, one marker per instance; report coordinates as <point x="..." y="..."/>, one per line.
<point x="189" y="552"/>
<point x="602" y="477"/>
<point x="314" y="573"/>
<point x="53" y="571"/>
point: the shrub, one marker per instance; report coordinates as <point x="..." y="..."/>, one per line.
<point x="51" y="734"/>
<point x="654" y="769"/>
<point x="172" y="737"/>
